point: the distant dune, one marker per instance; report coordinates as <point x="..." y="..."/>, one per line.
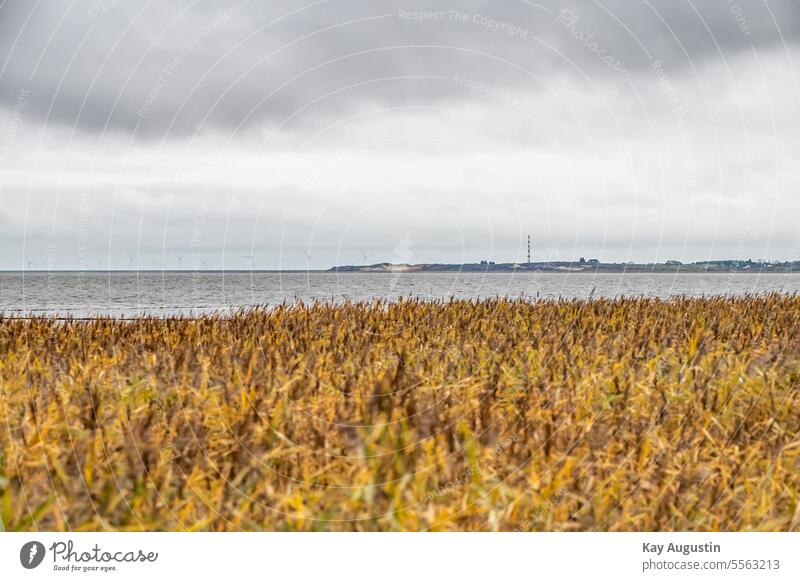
<point x="671" y="266"/>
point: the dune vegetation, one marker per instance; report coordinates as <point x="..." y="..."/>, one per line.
<point x="610" y="415"/>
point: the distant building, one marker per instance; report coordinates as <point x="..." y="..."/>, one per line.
<point x="674" y="263"/>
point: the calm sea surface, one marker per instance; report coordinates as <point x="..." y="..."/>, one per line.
<point x="169" y="293"/>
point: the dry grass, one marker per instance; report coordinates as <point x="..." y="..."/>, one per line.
<point x="631" y="414"/>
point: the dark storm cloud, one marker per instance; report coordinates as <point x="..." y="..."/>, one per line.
<point x="176" y="68"/>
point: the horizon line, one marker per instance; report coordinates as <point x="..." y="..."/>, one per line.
<point x="334" y="269"/>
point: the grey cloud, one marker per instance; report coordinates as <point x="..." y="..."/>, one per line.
<point x="173" y="69"/>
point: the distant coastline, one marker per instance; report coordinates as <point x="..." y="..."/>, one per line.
<point x="554" y="267"/>
<point x="581" y="266"/>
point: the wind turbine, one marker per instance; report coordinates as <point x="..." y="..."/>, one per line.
<point x="307" y="254"/>
<point x="29" y="262"/>
<point x="180" y="260"/>
<point x="364" y="255"/>
<point x="131" y="260"/>
<point x="252" y="258"/>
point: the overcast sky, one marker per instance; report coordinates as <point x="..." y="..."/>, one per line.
<point x="350" y="132"/>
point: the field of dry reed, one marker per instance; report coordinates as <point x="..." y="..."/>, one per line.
<point x="610" y="415"/>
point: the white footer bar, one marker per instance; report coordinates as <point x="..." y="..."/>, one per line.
<point x="356" y="556"/>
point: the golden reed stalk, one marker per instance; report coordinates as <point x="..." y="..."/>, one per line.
<point x="612" y="415"/>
